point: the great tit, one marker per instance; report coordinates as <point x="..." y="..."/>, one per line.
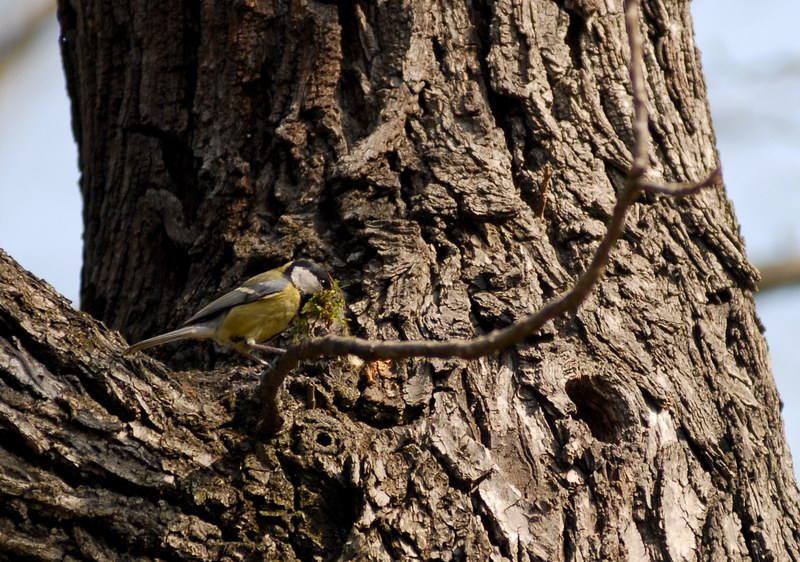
<point x="254" y="313"/>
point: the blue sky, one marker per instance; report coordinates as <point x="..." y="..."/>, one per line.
<point x="753" y="87"/>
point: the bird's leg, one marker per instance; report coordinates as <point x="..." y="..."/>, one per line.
<point x="269" y="349"/>
<point x="261" y="347"/>
<point x="243" y="351"/>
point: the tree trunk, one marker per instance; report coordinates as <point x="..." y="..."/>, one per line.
<point x="404" y="144"/>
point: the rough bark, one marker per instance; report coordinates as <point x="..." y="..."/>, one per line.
<point x="404" y="144"/>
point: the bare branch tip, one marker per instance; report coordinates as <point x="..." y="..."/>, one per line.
<point x="684" y="189"/>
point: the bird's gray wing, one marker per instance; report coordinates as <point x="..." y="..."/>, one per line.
<point x="240" y="295"/>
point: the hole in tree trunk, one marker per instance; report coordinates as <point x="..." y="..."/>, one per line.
<point x="600" y="406"/>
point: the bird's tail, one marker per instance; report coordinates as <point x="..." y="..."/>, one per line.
<point x="195" y="332"/>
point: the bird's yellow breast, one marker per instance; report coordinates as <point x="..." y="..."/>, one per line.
<point x="260" y="320"/>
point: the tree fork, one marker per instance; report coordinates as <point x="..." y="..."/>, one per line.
<point x="406" y="145"/>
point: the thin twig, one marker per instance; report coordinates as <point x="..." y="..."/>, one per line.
<point x="546" y="177"/>
<point x="641" y="134"/>
<point x="332" y="346"/>
<point x="682" y="189"/>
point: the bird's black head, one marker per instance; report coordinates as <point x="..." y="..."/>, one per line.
<point x="309" y="277"/>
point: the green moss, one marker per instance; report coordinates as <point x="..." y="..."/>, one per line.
<point x="320" y="313"/>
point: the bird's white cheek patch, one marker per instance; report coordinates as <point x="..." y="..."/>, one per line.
<point x="306" y="281"/>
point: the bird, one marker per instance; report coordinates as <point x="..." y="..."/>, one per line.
<point x="254" y="313"/>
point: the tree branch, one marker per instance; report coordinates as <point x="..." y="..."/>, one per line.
<point x="641" y="134"/>
<point x="779" y="274"/>
<point x="332" y="346"/>
<point x="682" y="189"/>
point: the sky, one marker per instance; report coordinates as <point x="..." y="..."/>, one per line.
<point x="751" y="61"/>
<point x="40" y="205"/>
